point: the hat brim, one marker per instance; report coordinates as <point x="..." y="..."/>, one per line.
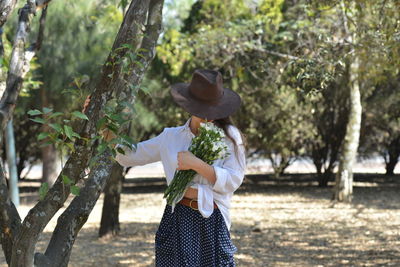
<point x="227" y="105"/>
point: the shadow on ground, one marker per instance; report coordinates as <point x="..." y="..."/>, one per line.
<point x="276" y="222"/>
<point x="373" y="188"/>
<point x="289" y="245"/>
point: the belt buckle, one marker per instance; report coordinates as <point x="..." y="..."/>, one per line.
<point x="190" y="204"/>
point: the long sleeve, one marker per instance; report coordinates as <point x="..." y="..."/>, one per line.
<point x="145" y="152"/>
<point x="230" y="175"/>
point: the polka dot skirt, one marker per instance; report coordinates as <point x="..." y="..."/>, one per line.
<point x="185" y="238"/>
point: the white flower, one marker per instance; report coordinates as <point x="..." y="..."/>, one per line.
<point x="215" y="147"/>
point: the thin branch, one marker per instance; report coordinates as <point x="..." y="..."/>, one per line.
<point x="39" y="40"/>
<point x="6" y="7"/>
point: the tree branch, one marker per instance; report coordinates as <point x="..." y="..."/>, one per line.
<point x="74" y="217"/>
<point x="6" y="7"/>
<point x="10" y="220"/>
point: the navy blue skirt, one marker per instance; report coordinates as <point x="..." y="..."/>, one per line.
<point x="185" y="238"/>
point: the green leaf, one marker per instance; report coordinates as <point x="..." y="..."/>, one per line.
<point x="100" y="123"/>
<point x="127" y="104"/>
<point x="56" y="114"/>
<point x="39" y="120"/>
<point x="143" y="49"/>
<point x="128" y="139"/>
<point x="116" y="140"/>
<point x="142" y="56"/>
<point x="80" y="115"/>
<point x="66" y="180"/>
<point x="47" y="110"/>
<point x="34" y="112"/>
<point x="145" y="90"/>
<point x="56" y="127"/>
<point x="92" y="161"/>
<point x="42" y="136"/>
<point x="75" y="190"/>
<point x="120" y="150"/>
<point x="114" y="154"/>
<point x="113" y="128"/>
<point x="140" y="64"/>
<point x="68" y="131"/>
<point x="71" y="146"/>
<point x="132" y="56"/>
<point x="44" y="188"/>
<point x="76" y="135"/>
<point x="46" y="144"/>
<point x="102" y="147"/>
<point x="129" y="46"/>
<point x="116" y="117"/>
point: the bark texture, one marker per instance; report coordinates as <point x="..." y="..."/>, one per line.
<point x="6" y="7"/>
<point x="10" y="220"/>
<point x="109" y="224"/>
<point x="343" y="190"/>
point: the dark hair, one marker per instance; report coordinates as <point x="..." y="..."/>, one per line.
<point x="224" y="123"/>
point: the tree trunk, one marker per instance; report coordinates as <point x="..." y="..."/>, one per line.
<point x="343" y="190"/>
<point x="319" y="161"/>
<point x="12" y="166"/>
<point x="324" y="179"/>
<point x="394" y="153"/>
<point x="391" y="165"/>
<point x="49" y="159"/>
<point x="279" y="163"/>
<point x="49" y="152"/>
<point x="74" y="217"/>
<point x="109" y="224"/>
<point x="10" y="221"/>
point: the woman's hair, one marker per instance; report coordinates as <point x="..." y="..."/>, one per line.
<point x="224" y="123"/>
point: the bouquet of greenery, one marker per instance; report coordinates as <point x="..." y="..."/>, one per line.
<point x="209" y="146"/>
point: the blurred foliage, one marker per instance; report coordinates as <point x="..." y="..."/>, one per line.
<point x="77" y="39"/>
<point x="288" y="59"/>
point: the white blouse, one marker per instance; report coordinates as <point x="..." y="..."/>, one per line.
<point x="165" y="147"/>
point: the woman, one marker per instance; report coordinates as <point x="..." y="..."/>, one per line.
<point x="195" y="231"/>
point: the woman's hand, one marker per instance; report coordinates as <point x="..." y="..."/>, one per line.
<point x="106" y="133"/>
<point x="187" y="161"/>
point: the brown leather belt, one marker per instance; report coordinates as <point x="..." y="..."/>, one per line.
<point x="192" y="203"/>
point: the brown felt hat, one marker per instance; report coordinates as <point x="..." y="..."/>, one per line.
<point x="205" y="97"/>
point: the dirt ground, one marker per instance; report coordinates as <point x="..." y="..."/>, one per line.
<point x="290" y="222"/>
